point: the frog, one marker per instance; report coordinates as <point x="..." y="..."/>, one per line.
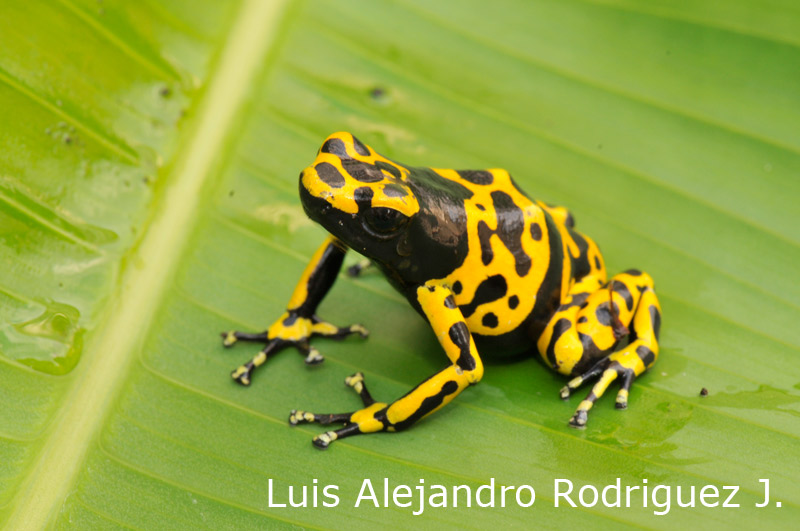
<point x="489" y="268"/>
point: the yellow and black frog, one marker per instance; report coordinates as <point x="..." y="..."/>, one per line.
<point x="487" y="267"/>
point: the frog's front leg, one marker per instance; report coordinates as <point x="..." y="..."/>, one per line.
<point x="466" y="368"/>
<point x="299" y="322"/>
<point x="580" y="338"/>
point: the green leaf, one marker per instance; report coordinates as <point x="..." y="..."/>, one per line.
<point x="148" y="162"/>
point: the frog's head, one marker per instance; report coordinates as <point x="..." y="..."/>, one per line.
<point x="359" y="196"/>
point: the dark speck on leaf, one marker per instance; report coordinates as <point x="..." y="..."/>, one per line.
<point x="703" y="392"/>
<point x="230" y="194"/>
<point x="379" y="95"/>
<point x="165" y="92"/>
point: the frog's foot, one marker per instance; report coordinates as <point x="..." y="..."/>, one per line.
<point x="584" y="333"/>
<point x="289" y="330"/>
<point x="365" y="420"/>
<point x="357" y="269"/>
<point x="624" y="365"/>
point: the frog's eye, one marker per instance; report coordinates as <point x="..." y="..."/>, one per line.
<point x="384" y="221"/>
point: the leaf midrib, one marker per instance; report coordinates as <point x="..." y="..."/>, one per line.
<point x="106" y="360"/>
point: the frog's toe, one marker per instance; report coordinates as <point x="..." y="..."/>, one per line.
<point x="578" y="381"/>
<point x="331" y="331"/>
<point x="243" y="373"/>
<point x="356" y="270"/>
<point x="323" y="440"/>
<point x="312" y="355"/>
<point x="356" y="381"/>
<point x="231" y="337"/>
<point x="360" y="330"/>
<point x="579" y="419"/>
<point x="298" y="416"/>
<point x="622" y="396"/>
<point x="608" y="371"/>
<point x="581" y="415"/>
<point x="228" y="338"/>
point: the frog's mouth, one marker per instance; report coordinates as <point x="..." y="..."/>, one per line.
<point x="317" y="208"/>
<point x="342" y="225"/>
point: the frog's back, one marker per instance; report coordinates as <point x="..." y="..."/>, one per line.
<point x="510" y="279"/>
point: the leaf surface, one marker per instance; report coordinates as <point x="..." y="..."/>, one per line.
<point x="148" y="161"/>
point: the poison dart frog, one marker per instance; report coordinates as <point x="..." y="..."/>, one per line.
<point x="488" y="267"/>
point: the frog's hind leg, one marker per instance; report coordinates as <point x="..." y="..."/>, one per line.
<point x="580" y="339"/>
